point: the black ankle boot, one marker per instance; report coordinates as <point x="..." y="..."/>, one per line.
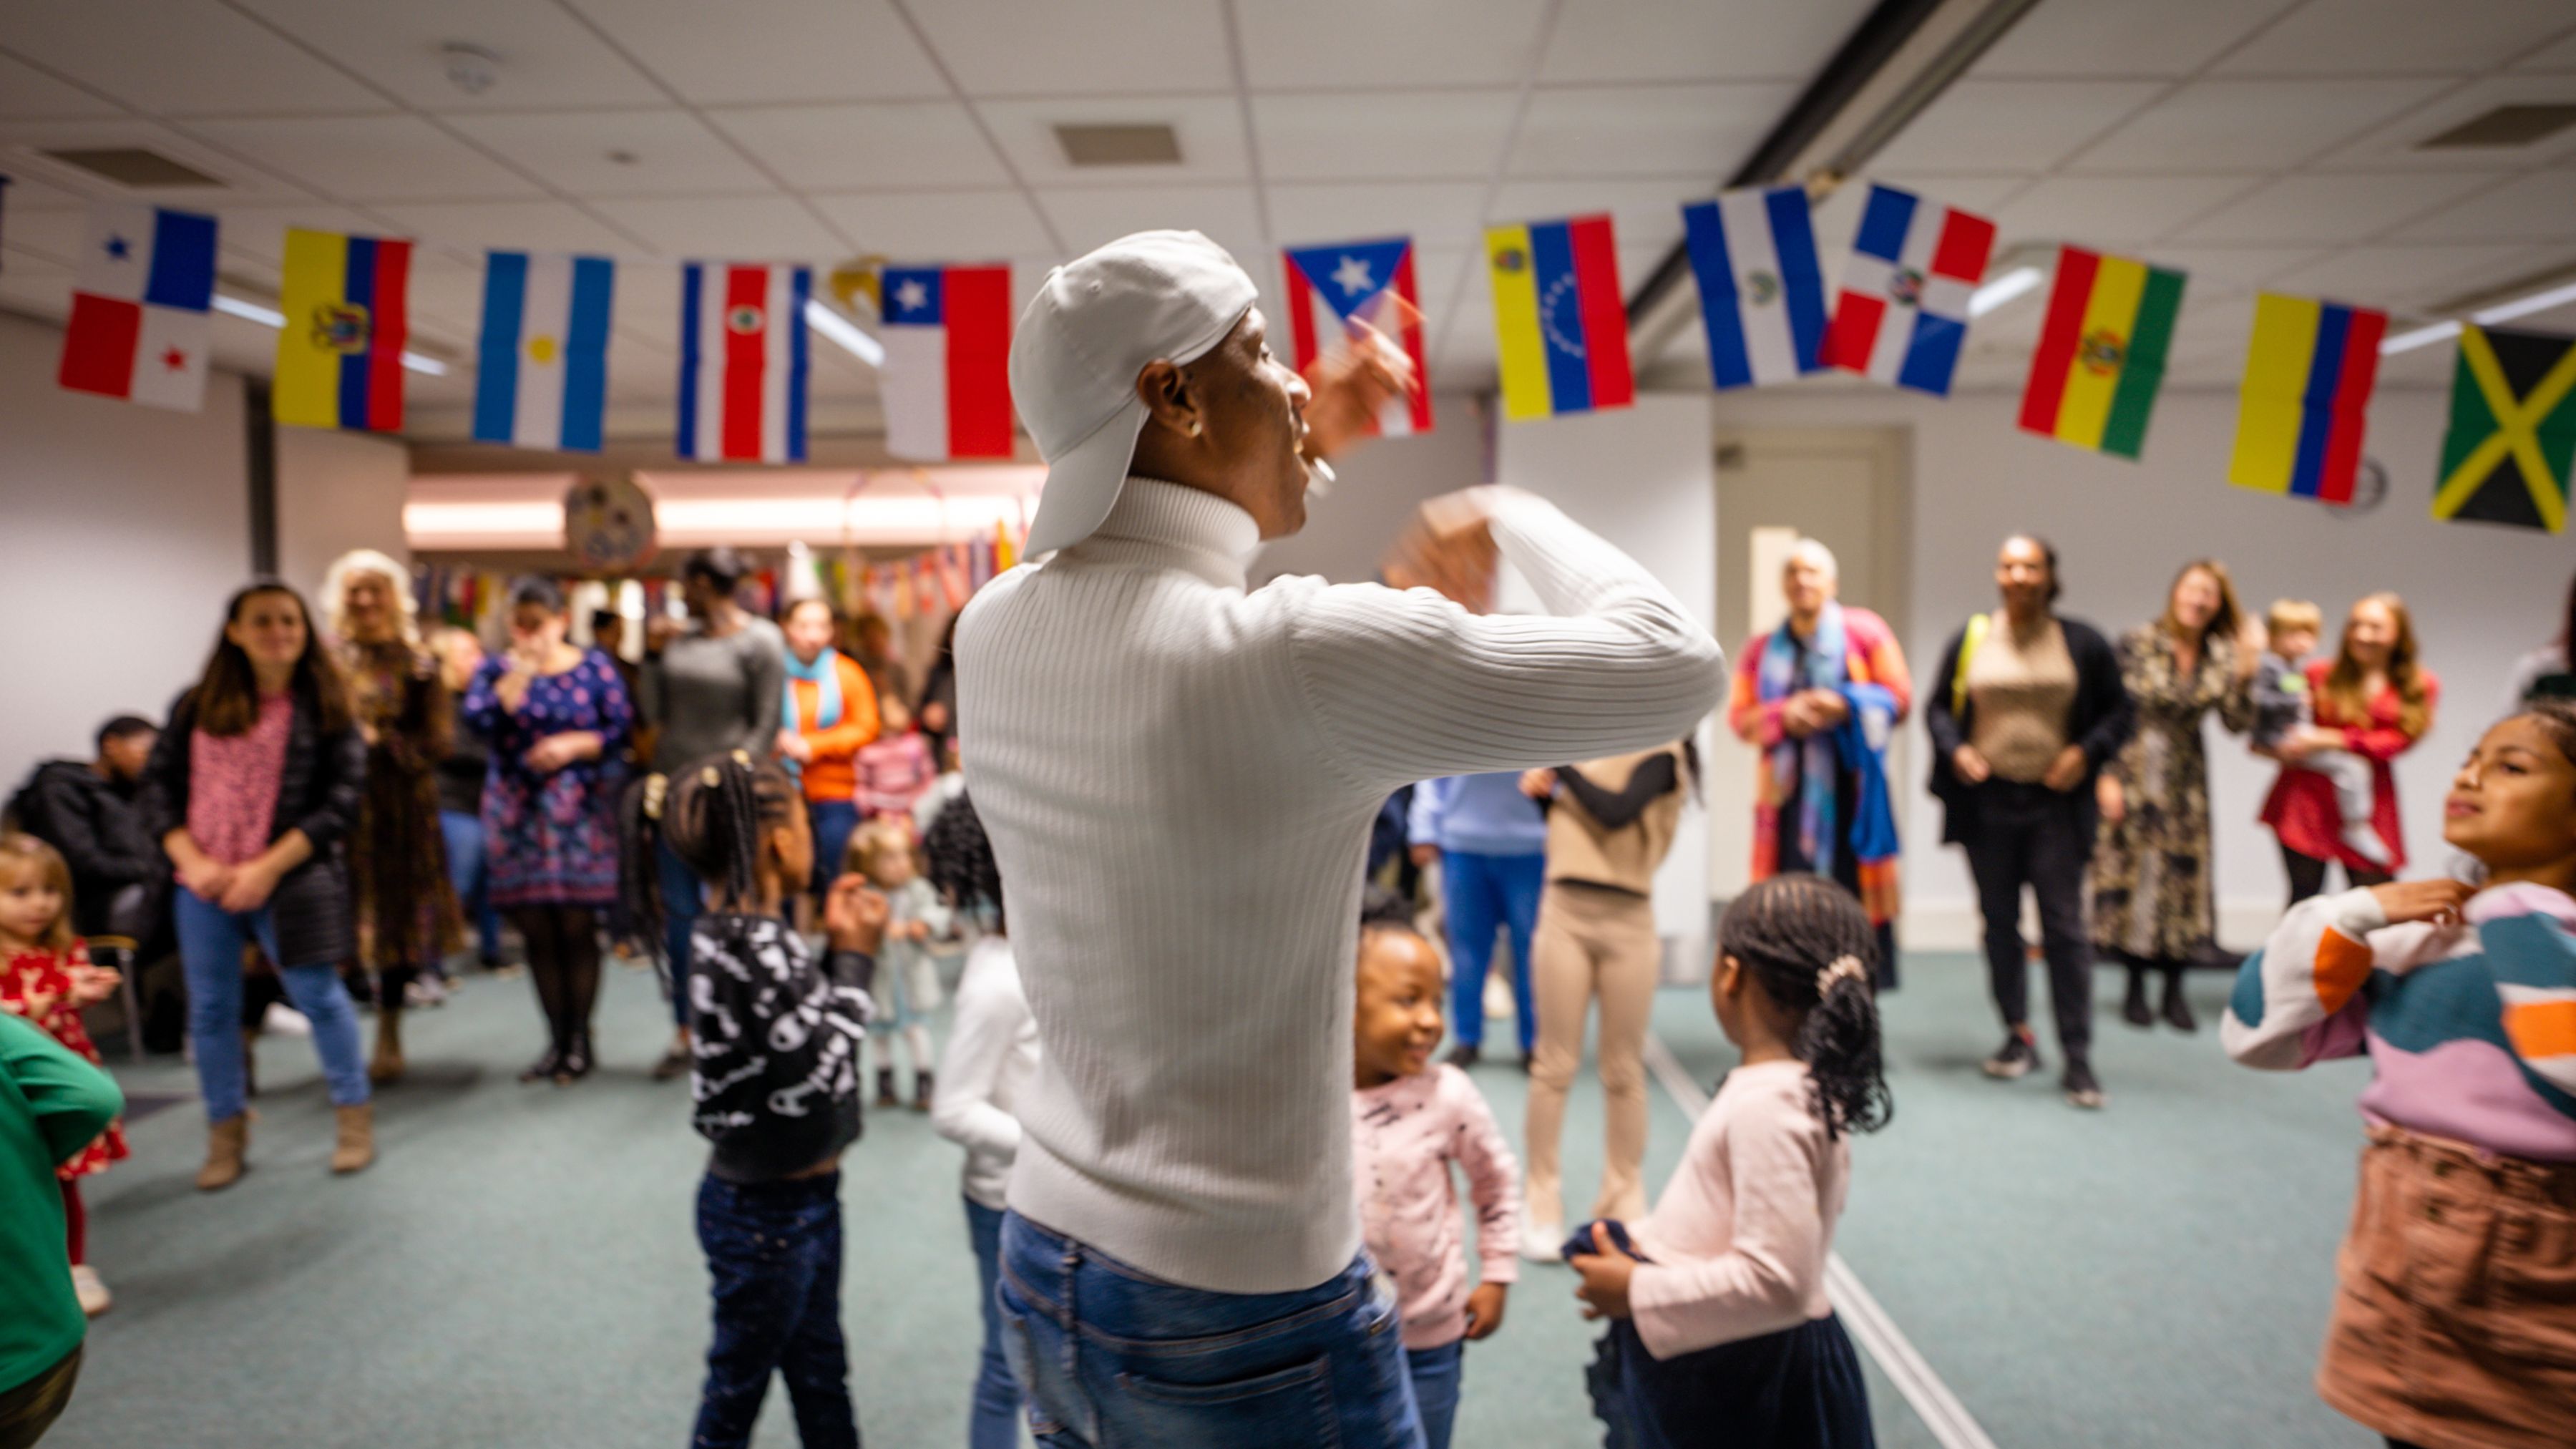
<point x="885" y="1088"/>
<point x="2133" y="1007"/>
<point x="2177" y="1010"/>
<point x="577" y="1060"/>
<point x="545" y="1066"/>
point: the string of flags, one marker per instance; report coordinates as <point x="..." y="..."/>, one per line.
<point x="1897" y="313"/>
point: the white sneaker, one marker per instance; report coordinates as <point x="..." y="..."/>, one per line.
<point x="285" y="1020"/>
<point x="1540" y="1241"/>
<point x="425" y="991"/>
<point x="93" y="1294"/>
<point x="1498" y="999"/>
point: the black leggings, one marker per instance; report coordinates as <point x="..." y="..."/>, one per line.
<point x="563" y="961"/>
<point x="2308" y="875"/>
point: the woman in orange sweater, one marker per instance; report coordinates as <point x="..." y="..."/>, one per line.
<point x="829" y="712"/>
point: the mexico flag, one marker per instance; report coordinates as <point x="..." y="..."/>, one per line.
<point x="2101" y="357"/>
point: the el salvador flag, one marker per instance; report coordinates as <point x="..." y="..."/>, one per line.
<point x="1761" y="290"/>
<point x="542" y="381"/>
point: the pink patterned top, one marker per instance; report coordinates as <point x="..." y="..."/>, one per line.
<point x="1404" y="1135"/>
<point x="232" y="786"/>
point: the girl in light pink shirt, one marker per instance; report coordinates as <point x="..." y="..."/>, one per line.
<point x="1720" y="1330"/>
<point x="1409" y="1121"/>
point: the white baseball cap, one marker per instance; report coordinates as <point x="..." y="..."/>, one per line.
<point x="1093" y="326"/>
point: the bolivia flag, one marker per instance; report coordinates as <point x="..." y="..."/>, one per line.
<point x="2101" y="354"/>
<point x="2307" y="385"/>
<point x="1559" y="323"/>
<point x="339" y="356"/>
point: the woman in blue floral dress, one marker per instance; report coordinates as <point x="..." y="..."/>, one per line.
<point x="557" y="717"/>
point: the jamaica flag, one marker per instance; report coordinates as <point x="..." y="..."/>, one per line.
<point x="2513" y="430"/>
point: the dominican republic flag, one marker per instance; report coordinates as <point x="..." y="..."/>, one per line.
<point x="138" y="324"/>
<point x="947" y="373"/>
<point x="743" y="362"/>
<point x="1904" y="305"/>
<point x="1761" y="291"/>
<point x="1331" y="288"/>
<point x="542" y="378"/>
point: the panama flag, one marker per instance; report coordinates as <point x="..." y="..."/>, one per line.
<point x="1331" y="289"/>
<point x="947" y="371"/>
<point x="1904" y="305"/>
<point x="542" y="375"/>
<point x="138" y="324"/>
<point x="1761" y="290"/>
<point x="743" y="362"/>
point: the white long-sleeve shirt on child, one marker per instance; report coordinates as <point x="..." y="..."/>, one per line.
<point x="1404" y="1135"/>
<point x="1740" y="1236"/>
<point x="991" y="1060"/>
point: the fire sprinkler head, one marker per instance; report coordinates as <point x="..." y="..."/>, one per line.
<point x="470" y="68"/>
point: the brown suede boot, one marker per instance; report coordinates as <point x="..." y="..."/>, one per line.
<point x="226" y="1142"/>
<point x="357" y="1143"/>
<point x="387" y="1066"/>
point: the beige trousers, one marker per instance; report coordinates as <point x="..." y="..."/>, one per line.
<point x="1591" y="942"/>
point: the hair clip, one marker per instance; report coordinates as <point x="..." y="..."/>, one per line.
<point x="657" y="790"/>
<point x="1842" y="967"/>
<point x="711" y="777"/>
<point x="740" y="757"/>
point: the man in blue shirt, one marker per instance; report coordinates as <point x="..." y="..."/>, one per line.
<point x="1492" y="844"/>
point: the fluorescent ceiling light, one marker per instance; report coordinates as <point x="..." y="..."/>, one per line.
<point x="2002" y="289"/>
<point x="420" y="362"/>
<point x="2485" y="317"/>
<point x="2420" y="337"/>
<point x="841" y="330"/>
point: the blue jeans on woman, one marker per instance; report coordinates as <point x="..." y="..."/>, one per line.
<point x="994" y="1421"/>
<point x="1481" y="893"/>
<point x="774" y="1251"/>
<point x="1112" y="1355"/>
<point x="684" y="899"/>
<point x="210" y="957"/>
<point x="469" y="871"/>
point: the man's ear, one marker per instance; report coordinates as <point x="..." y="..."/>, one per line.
<point x="1168" y="397"/>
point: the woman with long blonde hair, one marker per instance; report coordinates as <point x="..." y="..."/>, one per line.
<point x="2376" y="700"/>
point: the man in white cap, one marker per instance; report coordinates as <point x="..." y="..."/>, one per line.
<point x="1178" y="776"/>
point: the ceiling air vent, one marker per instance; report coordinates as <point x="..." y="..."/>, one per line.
<point x="1119" y="145"/>
<point x="135" y="167"/>
<point x="2504" y="126"/>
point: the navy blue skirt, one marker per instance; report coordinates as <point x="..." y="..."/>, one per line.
<point x="1800" y="1388"/>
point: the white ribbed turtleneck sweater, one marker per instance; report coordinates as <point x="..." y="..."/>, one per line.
<point x="1178" y="777"/>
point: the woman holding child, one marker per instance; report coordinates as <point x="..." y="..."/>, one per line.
<point x="2373" y="701"/>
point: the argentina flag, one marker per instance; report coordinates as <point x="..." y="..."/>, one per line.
<point x="542" y="375"/>
<point x="1761" y="292"/>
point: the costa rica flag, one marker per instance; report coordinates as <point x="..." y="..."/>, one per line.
<point x="1333" y="289"/>
<point x="743" y="362"/>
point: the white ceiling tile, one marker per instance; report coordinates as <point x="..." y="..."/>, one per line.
<point x="939" y="226"/>
<point x="1642" y="212"/>
<point x="2393" y="146"/>
<point x="2400" y="277"/>
<point x="902" y="143"/>
<point x="545" y="56"/>
<point x="1333" y="137"/>
<point x="186" y="58"/>
<point x="1340" y="44"/>
<point x="639" y="372"/>
<point x="1705" y="130"/>
<point x="546" y="226"/>
<point x="1636" y="40"/>
<point x="2123" y="37"/>
<point x="257" y="233"/>
<point x="55" y="234"/>
<point x="371" y="158"/>
<point x="29" y="193"/>
<point x="2330" y="208"/>
<point x="729" y="228"/>
<point x="2111" y="211"/>
<point x="1011" y="48"/>
<point x="1433" y="213"/>
<point x="2011" y="125"/>
<point x="648" y="305"/>
<point x="28" y="92"/>
<point x="1209" y="129"/>
<point x="670" y="152"/>
<point x="1088" y="217"/>
<point x="2535" y="206"/>
<point x="2559" y="55"/>
<point x="771" y="50"/>
<point x="2382" y="37"/>
<point x="2232" y="269"/>
<point x="2239" y="125"/>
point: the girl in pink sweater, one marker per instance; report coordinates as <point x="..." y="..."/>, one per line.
<point x="1720" y="1330"/>
<point x="1409" y="1121"/>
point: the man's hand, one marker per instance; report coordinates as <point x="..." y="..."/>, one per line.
<point x="1350" y="385"/>
<point x="1449" y="547"/>
<point x="854" y="915"/>
<point x="2423" y="900"/>
<point x="1604" y="1289"/>
<point x="1970" y="766"/>
<point x="2111" y="799"/>
<point x="2066" y="771"/>
<point x="1485" y="1309"/>
<point x="1539" y="784"/>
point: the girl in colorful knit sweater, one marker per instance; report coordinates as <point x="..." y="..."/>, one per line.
<point x="2456" y="1324"/>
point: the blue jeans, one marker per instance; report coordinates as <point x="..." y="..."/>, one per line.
<point x="774" y="1251"/>
<point x="1111" y="1355"/>
<point x="834" y="822"/>
<point x="994" y="1421"/>
<point x="468" y="870"/>
<point x="684" y="899"/>
<point x="210" y="957"/>
<point x="1435" y="1373"/>
<point x="1482" y="892"/>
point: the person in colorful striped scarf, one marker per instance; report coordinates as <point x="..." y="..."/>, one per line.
<point x="1820" y="697"/>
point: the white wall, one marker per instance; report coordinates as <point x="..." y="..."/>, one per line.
<point x="122" y="528"/>
<point x="336" y="491"/>
<point x="1379" y="485"/>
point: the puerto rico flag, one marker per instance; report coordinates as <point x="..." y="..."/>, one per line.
<point x="947" y="375"/>
<point x="138" y="326"/>
<point x="1761" y="290"/>
<point x="1904" y="305"/>
<point x="743" y="362"/>
<point x="542" y="374"/>
<point x="1330" y="288"/>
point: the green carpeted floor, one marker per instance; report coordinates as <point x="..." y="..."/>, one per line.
<point x="520" y="1268"/>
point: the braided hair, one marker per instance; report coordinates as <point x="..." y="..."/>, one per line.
<point x="1808" y="945"/>
<point x="961" y="864"/>
<point x="711" y="813"/>
<point x="2557" y="719"/>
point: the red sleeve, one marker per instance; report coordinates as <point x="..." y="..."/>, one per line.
<point x="1754" y="722"/>
<point x="1885" y="659"/>
<point x="2383" y="738"/>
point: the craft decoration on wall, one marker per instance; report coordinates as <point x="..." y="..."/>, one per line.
<point x="1761" y="289"/>
<point x="2306" y="393"/>
<point x="1903" y="310"/>
<point x="1333" y="288"/>
<point x="138" y="327"/>
<point x="1560" y="324"/>
<point x="608" y="523"/>
<point x="2512" y="436"/>
<point x="541" y="375"/>
<point x="743" y="362"/>
<point x="339" y="354"/>
<point x="946" y="381"/>
<point x="2101" y="356"/>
